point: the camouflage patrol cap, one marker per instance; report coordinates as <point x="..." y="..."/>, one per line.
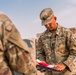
<point x="46" y="16"/>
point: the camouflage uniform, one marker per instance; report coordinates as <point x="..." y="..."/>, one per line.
<point x="58" y="47"/>
<point x="14" y="52"/>
<point x="73" y="30"/>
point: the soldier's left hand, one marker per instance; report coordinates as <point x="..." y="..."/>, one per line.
<point x="59" y="67"/>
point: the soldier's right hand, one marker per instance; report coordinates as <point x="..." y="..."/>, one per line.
<point x="41" y="69"/>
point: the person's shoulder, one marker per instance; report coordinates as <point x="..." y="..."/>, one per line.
<point x="1" y="12"/>
<point x="73" y="30"/>
<point x="68" y="32"/>
<point x="3" y="15"/>
<point x="65" y="29"/>
<point x="44" y="33"/>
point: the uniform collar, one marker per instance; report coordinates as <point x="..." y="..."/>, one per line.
<point x="49" y="33"/>
<point x="58" y="30"/>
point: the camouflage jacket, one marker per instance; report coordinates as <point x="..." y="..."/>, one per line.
<point x="58" y="47"/>
<point x="14" y="52"/>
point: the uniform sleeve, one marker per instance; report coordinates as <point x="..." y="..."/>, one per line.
<point x="18" y="54"/>
<point x="15" y="49"/>
<point x="19" y="59"/>
<point x="40" y="54"/>
<point x="71" y="60"/>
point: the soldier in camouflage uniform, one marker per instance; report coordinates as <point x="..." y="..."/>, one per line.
<point x="14" y="52"/>
<point x="56" y="45"/>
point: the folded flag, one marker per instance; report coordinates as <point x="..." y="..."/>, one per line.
<point x="43" y="65"/>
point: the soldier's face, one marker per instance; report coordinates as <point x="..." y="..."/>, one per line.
<point x="53" y="25"/>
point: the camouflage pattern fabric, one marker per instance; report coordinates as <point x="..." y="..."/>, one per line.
<point x="14" y="52"/>
<point x="58" y="47"/>
<point x="73" y="30"/>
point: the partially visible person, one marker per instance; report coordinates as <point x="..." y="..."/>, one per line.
<point x="14" y="52"/>
<point x="56" y="45"/>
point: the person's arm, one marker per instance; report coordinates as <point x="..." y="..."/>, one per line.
<point x="15" y="49"/>
<point x="71" y="60"/>
<point x="70" y="63"/>
<point x="40" y="54"/>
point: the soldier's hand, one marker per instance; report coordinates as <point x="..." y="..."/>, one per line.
<point x="59" y="67"/>
<point x="40" y="68"/>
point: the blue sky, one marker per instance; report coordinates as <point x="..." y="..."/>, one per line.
<point x="25" y="14"/>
